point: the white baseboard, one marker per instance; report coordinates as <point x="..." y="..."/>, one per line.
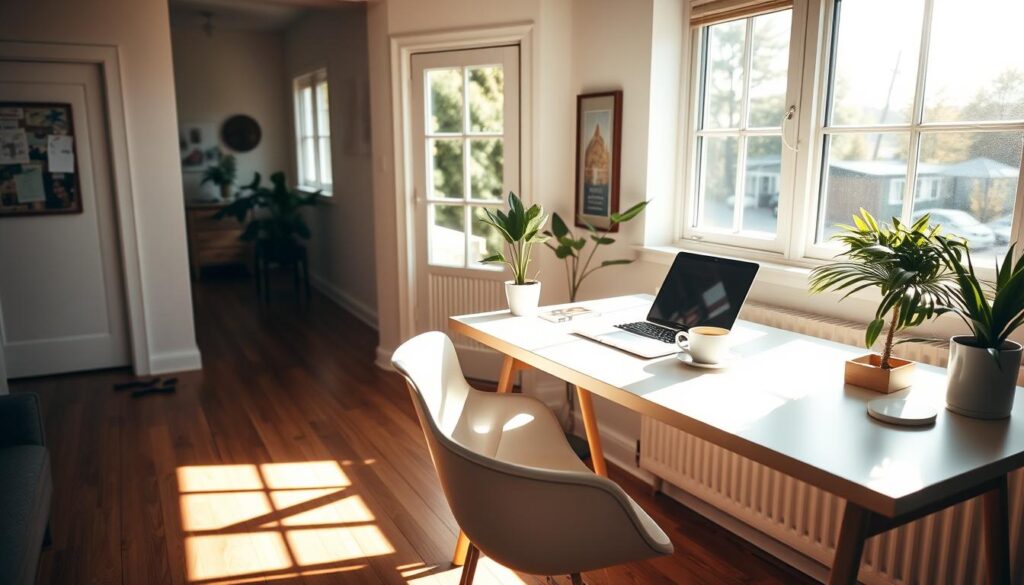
<point x="175" y="361"/>
<point x="383" y="360"/>
<point x="344" y="300"/>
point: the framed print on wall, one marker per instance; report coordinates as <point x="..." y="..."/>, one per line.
<point x="598" y="146"/>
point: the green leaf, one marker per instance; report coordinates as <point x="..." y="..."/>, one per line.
<point x="493" y="258"/>
<point x="615" y="262"/>
<point x="629" y="213"/>
<point x="602" y="240"/>
<point x="558" y="226"/>
<point x="873" y="331"/>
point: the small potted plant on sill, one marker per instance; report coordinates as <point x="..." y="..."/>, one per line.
<point x="983" y="366"/>
<point x="907" y="264"/>
<point x="521" y="229"/>
<point x="223" y="175"/>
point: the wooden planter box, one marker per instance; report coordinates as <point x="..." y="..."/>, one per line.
<point x="866" y="372"/>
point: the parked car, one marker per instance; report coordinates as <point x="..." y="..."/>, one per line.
<point x="960" y="223"/>
<point x="1001" y="228"/>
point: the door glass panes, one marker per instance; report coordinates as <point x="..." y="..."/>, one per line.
<point x="739" y="145"/>
<point x="446" y="169"/>
<point x="486" y="99"/>
<point x="486" y="168"/>
<point x="466" y="174"/>
<point x="876" y="56"/>
<point x="447" y="234"/>
<point x="975" y="62"/>
<point x="967" y="181"/>
<point x="863" y="171"/>
<point x="445" y="100"/>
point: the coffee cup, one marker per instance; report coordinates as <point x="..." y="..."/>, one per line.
<point x="706" y="345"/>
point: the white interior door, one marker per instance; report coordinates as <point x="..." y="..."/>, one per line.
<point x="61" y="293"/>
<point x="465" y="116"/>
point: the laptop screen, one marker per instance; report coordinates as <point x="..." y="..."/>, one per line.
<point x="702" y="290"/>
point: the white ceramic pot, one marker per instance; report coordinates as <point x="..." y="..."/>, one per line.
<point x="522" y="298"/>
<point x="978" y="386"/>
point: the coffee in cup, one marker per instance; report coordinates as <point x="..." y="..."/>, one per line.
<point x="705" y="344"/>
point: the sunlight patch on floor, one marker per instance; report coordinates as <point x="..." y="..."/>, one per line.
<point x="488" y="572"/>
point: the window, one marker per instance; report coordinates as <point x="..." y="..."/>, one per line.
<point x="739" y="160"/>
<point x="901" y="108"/>
<point x="313" y="131"/>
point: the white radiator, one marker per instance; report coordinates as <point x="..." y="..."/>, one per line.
<point x="941" y="548"/>
<point x="458" y="295"/>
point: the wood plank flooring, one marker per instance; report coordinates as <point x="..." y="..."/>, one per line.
<point x="289" y="459"/>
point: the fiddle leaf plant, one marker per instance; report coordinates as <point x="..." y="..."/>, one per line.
<point x="273" y="213"/>
<point x="906" y="263"/>
<point x="520" y="228"/>
<point x="571" y="249"/>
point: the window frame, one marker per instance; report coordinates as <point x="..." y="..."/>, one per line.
<point x="311" y="80"/>
<point x="811" y="67"/>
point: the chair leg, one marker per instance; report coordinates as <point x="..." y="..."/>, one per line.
<point x="577" y="579"/>
<point x="48" y="536"/>
<point x="469" y="569"/>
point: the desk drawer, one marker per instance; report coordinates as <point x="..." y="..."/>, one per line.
<point x="202" y="221"/>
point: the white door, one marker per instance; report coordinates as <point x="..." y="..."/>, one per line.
<point x="61" y="294"/>
<point x="465" y="115"/>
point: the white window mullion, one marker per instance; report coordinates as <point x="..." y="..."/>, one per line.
<point x="914" y="147"/>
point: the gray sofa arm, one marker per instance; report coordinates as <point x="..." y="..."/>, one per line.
<point x="20" y="420"/>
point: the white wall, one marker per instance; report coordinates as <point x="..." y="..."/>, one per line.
<point x="140" y="31"/>
<point x="234" y="72"/>
<point x="342" y="253"/>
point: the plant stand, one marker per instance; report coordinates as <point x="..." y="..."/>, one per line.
<point x="294" y="258"/>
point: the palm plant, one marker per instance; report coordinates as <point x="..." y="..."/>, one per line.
<point x="222" y="174"/>
<point x="906" y="263"/>
<point x="275" y="212"/>
<point x="992" y="311"/>
<point x="570" y="248"/>
<point x="520" y="229"/>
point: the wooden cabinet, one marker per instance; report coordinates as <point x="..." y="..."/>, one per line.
<point x="214" y="242"/>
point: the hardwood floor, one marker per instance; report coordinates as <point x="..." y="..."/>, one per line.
<point x="289" y="458"/>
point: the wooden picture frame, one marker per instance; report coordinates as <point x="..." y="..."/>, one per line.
<point x="598" y="150"/>
<point x="33" y="180"/>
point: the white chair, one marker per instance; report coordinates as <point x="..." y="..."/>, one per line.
<point x="515" y="487"/>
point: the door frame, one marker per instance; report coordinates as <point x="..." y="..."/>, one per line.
<point x="403" y="47"/>
<point x="107" y="57"/>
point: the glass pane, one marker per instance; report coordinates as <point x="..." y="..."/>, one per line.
<point x="719" y="157"/>
<point x="967" y="181"/>
<point x="446" y="178"/>
<point x="323" y="119"/>
<point x="486" y="98"/>
<point x="325" y="161"/>
<point x="769" y="67"/>
<point x="761" y="185"/>
<point x="484" y="240"/>
<point x="486" y="169"/>
<point x="306" y="111"/>
<point x="864" y="170"/>
<point x="876" y="61"/>
<point x="445" y="100"/>
<point x="723" y="83"/>
<point x="309" y="161"/>
<point x="975" y="62"/>
<point x="447" y="235"/>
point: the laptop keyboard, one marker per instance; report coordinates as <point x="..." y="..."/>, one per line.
<point x="663" y="334"/>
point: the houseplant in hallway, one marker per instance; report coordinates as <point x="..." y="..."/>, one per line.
<point x="521" y="229"/>
<point x="908" y="265"/>
<point x="223" y="175"/>
<point x="983" y="366"/>
<point x="274" y="215"/>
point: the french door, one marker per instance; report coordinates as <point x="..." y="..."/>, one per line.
<point x="465" y="137"/>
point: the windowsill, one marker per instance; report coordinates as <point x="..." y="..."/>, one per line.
<point x="775" y="272"/>
<point x="325" y="196"/>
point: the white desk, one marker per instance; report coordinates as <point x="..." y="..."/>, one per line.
<point x="782" y="402"/>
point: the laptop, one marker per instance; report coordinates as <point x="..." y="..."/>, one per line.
<point x="698" y="290"/>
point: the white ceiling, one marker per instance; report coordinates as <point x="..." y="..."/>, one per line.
<point x="245" y="14"/>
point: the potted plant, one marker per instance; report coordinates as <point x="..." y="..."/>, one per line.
<point x="520" y="229"/>
<point x="907" y="264"/>
<point x="983" y="366"/>
<point x="276" y="221"/>
<point x="570" y="248"/>
<point x="222" y="174"/>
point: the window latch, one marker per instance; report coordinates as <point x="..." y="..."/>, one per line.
<point x="789" y="116"/>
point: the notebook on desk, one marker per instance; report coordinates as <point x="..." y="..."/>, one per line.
<point x="698" y="290"/>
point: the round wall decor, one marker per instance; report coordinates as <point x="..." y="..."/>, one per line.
<point x="241" y="133"/>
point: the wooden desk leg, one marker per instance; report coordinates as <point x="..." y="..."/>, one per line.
<point x="997" y="533"/>
<point x="507" y="378"/>
<point x="855" y="530"/>
<point x="593" y="437"/>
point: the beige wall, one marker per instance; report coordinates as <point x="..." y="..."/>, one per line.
<point x="342" y="253"/>
<point x="234" y="72"/>
<point x="140" y="31"/>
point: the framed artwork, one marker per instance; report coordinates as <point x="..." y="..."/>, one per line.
<point x="38" y="170"/>
<point x="198" y="145"/>
<point x="598" y="146"/>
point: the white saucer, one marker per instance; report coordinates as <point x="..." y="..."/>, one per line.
<point x="688" y="360"/>
<point x="899" y="411"/>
